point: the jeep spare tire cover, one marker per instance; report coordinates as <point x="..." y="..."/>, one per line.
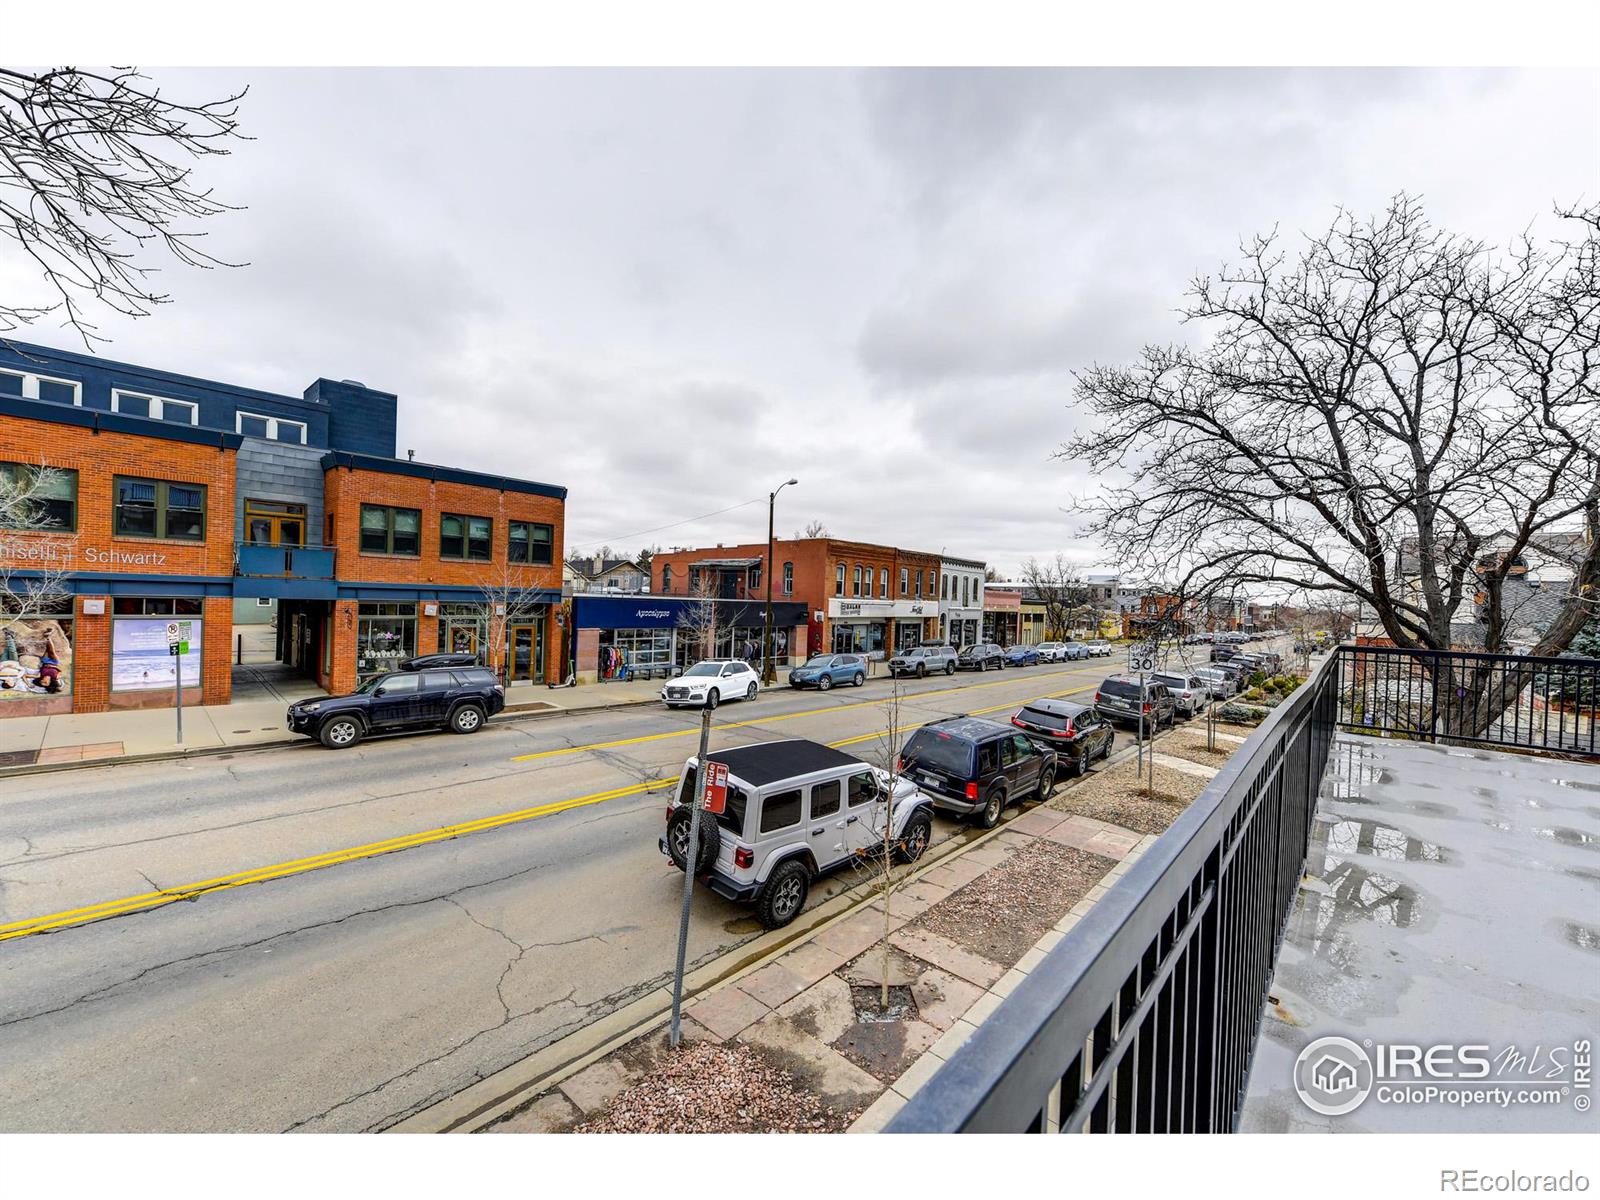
<point x="678" y="839"/>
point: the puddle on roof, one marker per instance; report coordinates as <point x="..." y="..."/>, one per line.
<point x="1581" y="936"/>
<point x="1349" y="835"/>
<point x="1569" y="837"/>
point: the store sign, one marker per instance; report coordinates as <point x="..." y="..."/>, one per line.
<point x="67" y="554"/>
<point x="849" y="610"/>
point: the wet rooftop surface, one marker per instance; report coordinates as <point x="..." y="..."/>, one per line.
<point x="1451" y="896"/>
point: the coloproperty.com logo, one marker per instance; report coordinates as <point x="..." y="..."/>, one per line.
<point x="1336" y="1075"/>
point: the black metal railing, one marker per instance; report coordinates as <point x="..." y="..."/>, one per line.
<point x="1549" y="705"/>
<point x="1144" y="1018"/>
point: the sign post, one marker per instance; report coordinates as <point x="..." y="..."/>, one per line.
<point x="703" y="788"/>
<point x="1142" y="659"/>
<point x="177" y="647"/>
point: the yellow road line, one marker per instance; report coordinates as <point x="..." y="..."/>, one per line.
<point x="151" y="900"/>
<point x="772" y="720"/>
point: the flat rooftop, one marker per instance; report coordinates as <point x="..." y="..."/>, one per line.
<point x="1451" y="896"/>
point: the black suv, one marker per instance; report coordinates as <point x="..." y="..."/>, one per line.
<point x="980" y="657"/>
<point x="460" y="699"/>
<point x="1074" y="732"/>
<point x="1119" y="699"/>
<point x="975" y="767"/>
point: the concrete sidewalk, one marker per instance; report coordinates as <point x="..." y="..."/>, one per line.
<point x="255" y="718"/>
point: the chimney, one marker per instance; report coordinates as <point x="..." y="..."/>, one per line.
<point x="598" y="562"/>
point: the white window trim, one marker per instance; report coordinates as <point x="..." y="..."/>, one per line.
<point x="272" y="425"/>
<point x="32" y="379"/>
<point x="158" y="404"/>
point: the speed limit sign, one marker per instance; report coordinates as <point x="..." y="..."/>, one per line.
<point x="1142" y="658"/>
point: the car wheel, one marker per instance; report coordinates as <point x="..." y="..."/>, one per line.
<point x="914" y="838"/>
<point x="678" y="827"/>
<point x="824" y="683"/>
<point x="922" y="671"/>
<point x="467" y="718"/>
<point x="784" y="895"/>
<point x="950" y="668"/>
<point x="1080" y="762"/>
<point x="858" y="679"/>
<point x="713" y="698"/>
<point x="993" y="805"/>
<point x="1047" y="783"/>
<point x="340" y="733"/>
<point x="750" y="692"/>
<point x="1110" y="743"/>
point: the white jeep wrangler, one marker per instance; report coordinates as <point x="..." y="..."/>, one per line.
<point x="796" y="810"/>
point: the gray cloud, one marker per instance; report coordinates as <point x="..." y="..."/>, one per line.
<point x="672" y="289"/>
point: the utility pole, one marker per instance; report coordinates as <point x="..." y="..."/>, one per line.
<point x="769" y="669"/>
<point x="688" y="877"/>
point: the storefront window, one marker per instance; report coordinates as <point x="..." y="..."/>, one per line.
<point x="744" y="641"/>
<point x="859" y="638"/>
<point x="636" y="650"/>
<point x="463" y="629"/>
<point x="385" y="634"/>
<point x="141" y="660"/>
<point x="37" y="657"/>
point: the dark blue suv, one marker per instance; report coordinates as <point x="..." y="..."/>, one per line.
<point x="460" y="699"/>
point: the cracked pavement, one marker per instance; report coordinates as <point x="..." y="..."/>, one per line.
<point x="347" y="998"/>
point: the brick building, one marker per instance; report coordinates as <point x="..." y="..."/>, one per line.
<point x="180" y="495"/>
<point x="857" y="596"/>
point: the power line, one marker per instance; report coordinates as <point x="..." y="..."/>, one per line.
<point x="686" y="521"/>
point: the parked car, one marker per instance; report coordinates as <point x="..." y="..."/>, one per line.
<point x="974" y="767"/>
<point x="1075" y="732"/>
<point x="1050" y="652"/>
<point x="1222" y="653"/>
<point x="1099" y="648"/>
<point x="1119" y="699"/>
<point x="924" y="661"/>
<point x="825" y="670"/>
<point x="1189" y="692"/>
<point x="1022" y="656"/>
<point x="1071" y="651"/>
<point x="424" y="661"/>
<point x="460" y="700"/>
<point x="980" y="656"/>
<point x="795" y="810"/>
<point x="1219" y="683"/>
<point x="707" y="684"/>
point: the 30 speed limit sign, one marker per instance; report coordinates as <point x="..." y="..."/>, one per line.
<point x="1141" y="658"/>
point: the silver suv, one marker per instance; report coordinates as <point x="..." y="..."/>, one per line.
<point x="923" y="661"/>
<point x="796" y="810"/>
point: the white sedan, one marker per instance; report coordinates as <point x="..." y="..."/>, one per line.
<point x="707" y="684"/>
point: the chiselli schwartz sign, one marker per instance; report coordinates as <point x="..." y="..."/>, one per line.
<point x="63" y="554"/>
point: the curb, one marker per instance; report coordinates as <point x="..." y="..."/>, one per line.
<point x="501" y="1094"/>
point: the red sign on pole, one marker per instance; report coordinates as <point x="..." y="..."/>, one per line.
<point x="715" y="798"/>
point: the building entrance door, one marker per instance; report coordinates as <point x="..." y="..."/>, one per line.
<point x="272" y="523"/>
<point x="527" y="653"/>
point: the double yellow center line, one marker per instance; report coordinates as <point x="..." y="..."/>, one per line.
<point x="190" y="891"/>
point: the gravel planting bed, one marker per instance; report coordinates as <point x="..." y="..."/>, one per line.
<point x="1001" y="914"/>
<point x="706" y="1088"/>
<point x="1117" y="795"/>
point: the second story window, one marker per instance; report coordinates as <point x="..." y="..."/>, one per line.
<point x="28" y="386"/>
<point x="905" y="581"/>
<point x="788" y="578"/>
<point x="838" y="580"/>
<point x="855" y="581"/>
<point x="666" y="577"/>
<point x="157" y="408"/>
<point x="530" y="543"/>
<point x="919" y="585"/>
<point x="41" y="498"/>
<point x="883" y="583"/>
<point x="471" y="538"/>
<point x="158" y="509"/>
<point x="389" y="530"/>
<point x="273" y="429"/>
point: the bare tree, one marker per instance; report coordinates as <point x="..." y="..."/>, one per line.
<point x="91" y="175"/>
<point x="698" y="618"/>
<point x="37" y="550"/>
<point x="813" y="529"/>
<point x="1061" y="588"/>
<point x="508" y="599"/>
<point x="1394" y="413"/>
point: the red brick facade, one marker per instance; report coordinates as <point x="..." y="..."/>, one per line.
<point x="99" y="457"/>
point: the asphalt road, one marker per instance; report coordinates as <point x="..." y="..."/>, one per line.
<point x="348" y="996"/>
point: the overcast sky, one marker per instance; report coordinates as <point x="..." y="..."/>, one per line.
<point x="669" y="290"/>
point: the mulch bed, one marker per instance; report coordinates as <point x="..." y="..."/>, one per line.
<point x="1117" y="795"/>
<point x="707" y="1088"/>
<point x="1003" y="912"/>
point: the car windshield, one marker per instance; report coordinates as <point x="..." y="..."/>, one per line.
<point x="366" y="688"/>
<point x="705" y="668"/>
<point x="819" y="660"/>
<point x="936" y="749"/>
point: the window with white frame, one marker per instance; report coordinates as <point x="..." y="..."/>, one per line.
<point x="157" y="408"/>
<point x="27" y="385"/>
<point x="273" y="429"/>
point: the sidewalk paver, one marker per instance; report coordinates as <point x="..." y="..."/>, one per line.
<point x="727" y="1011"/>
<point x="946" y="955"/>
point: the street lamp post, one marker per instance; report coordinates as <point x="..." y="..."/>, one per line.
<point x="769" y="669"/>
